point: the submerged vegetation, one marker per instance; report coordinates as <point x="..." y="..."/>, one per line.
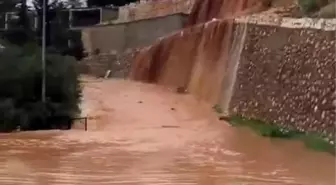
<point x="308" y="6"/>
<point x="312" y="141"/>
<point x="317" y="8"/>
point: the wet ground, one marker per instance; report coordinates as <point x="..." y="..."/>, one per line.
<point x="147" y="135"/>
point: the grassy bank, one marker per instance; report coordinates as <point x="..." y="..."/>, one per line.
<point x="311" y="140"/>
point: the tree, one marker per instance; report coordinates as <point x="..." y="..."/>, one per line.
<point x="20" y="83"/>
<point x="308" y="6"/>
<point x="51" y="6"/>
<point x="7" y="5"/>
<point x="57" y="33"/>
<point x="24" y="21"/>
<point x="20" y="30"/>
<point x="102" y="3"/>
<point x="73" y="3"/>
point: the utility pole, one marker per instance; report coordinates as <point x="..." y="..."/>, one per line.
<point x="43" y="93"/>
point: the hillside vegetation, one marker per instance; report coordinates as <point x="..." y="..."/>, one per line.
<point x="317" y="8"/>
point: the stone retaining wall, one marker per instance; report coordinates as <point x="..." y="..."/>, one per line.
<point x="286" y="73"/>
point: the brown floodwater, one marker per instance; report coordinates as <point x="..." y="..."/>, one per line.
<point x="148" y="135"/>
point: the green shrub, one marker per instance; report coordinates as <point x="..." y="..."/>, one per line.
<point x="308" y="6"/>
<point x="315" y="142"/>
<point x="264" y="129"/>
<point x="20" y="84"/>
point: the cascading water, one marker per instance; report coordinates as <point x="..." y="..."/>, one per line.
<point x="198" y="56"/>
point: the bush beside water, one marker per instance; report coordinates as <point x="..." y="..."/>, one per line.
<point x="313" y="141"/>
<point x="20" y="84"/>
<point x="308" y="6"/>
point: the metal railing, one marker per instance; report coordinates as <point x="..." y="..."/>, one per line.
<point x="85" y="119"/>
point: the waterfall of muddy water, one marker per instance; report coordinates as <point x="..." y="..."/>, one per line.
<point x="205" y="10"/>
<point x="230" y="77"/>
<point x="145" y="134"/>
<point x="197" y="57"/>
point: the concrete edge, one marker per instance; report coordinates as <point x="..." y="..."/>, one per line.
<point x="107" y="24"/>
<point x="286" y="22"/>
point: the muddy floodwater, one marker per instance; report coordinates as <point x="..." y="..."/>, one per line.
<point x="148" y="135"/>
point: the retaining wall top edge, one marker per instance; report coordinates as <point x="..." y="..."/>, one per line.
<point x="115" y="23"/>
<point x="314" y="23"/>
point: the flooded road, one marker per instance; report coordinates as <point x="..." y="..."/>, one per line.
<point x="147" y="135"/>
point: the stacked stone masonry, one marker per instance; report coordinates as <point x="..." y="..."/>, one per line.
<point x="286" y="73"/>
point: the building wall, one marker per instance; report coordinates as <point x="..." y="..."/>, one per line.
<point x="119" y="37"/>
<point x="106" y="39"/>
<point x="109" y="14"/>
<point x="144" y="33"/>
